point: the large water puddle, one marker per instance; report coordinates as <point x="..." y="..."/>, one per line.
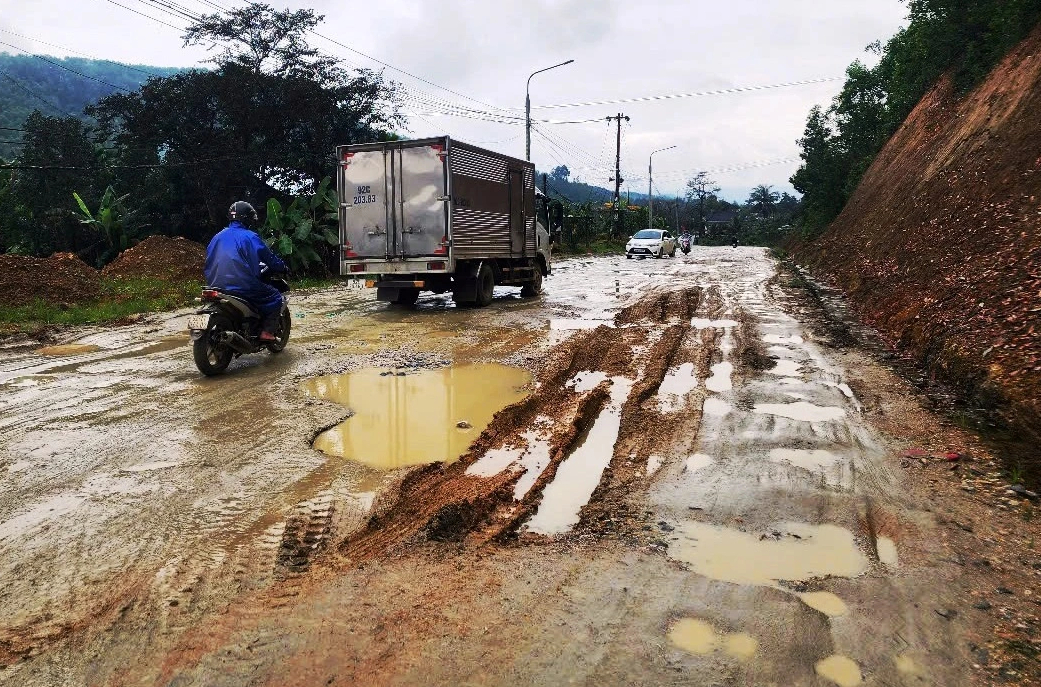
<point x="415" y="417"/>
<point x="793" y="552"/>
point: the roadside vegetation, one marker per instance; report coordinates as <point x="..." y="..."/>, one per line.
<point x="170" y="156"/>
<point x="963" y="39"/>
<point x="119" y="299"/>
<point x="765" y="218"/>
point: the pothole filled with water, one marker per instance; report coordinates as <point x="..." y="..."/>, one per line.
<point x="415" y="417"/>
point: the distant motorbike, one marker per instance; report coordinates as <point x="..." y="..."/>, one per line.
<point x="733" y="243"/>
<point x="227" y="326"/>
<point x="685" y="243"/>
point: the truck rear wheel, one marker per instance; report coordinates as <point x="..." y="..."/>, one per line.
<point x="533" y="287"/>
<point x="485" y="285"/>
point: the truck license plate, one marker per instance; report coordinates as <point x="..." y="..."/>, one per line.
<point x="198" y="321"/>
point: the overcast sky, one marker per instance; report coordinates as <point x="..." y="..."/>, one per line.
<point x="484" y="50"/>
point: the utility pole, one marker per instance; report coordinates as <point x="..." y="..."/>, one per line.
<point x="527" y="109"/>
<point x="618" y="175"/>
<point x="650" y="187"/>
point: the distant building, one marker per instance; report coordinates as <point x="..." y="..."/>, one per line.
<point x="721" y="220"/>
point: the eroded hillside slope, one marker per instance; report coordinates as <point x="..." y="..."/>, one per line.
<point x="940" y="248"/>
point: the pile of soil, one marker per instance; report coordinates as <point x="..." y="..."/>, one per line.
<point x="63" y="279"/>
<point x="160" y="257"/>
<point x="939" y="246"/>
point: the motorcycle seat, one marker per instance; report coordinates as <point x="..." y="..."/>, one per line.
<point x="240" y="304"/>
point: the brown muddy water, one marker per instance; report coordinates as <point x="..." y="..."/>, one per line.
<point x="414" y="417"/>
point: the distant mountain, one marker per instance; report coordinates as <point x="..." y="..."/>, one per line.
<point x="576" y="191"/>
<point x="30" y="82"/>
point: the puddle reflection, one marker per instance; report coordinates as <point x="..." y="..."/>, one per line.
<point x="420" y="417"/>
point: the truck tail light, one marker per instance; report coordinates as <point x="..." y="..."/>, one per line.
<point x="437" y="265"/>
<point x="348" y="250"/>
<point x="358" y="267"/>
<point x="443" y="248"/>
<point x="440" y="150"/>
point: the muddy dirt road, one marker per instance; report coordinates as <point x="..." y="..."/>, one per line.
<point x="682" y="485"/>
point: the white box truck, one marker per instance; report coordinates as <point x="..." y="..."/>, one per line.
<point x="440" y="215"/>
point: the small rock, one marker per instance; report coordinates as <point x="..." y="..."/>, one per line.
<point x="1005" y="590"/>
<point x="1020" y="490"/>
<point x="463" y="424"/>
<point x="982" y="605"/>
<point x="947" y="614"/>
<point x="695" y="508"/>
<point x="665" y="527"/>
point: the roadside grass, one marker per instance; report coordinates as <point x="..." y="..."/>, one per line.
<point x="597" y="247"/>
<point x="120" y="298"/>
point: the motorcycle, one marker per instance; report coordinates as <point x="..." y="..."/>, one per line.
<point x="733" y="243"/>
<point x="227" y="326"/>
<point x="685" y="241"/>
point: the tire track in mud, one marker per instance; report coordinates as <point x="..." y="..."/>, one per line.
<point x="443" y="503"/>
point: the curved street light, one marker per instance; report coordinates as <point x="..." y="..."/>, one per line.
<point x="650" y="187"/>
<point x="527" y="109"/>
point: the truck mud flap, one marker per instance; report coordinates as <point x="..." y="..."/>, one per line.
<point x="464" y="282"/>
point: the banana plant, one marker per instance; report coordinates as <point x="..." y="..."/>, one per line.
<point x="303" y="231"/>
<point x="112" y="221"/>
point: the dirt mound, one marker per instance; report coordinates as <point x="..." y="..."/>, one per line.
<point x="62" y="278"/>
<point x="939" y="247"/>
<point x="160" y="257"/>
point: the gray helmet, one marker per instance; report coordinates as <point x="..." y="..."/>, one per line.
<point x="243" y="212"/>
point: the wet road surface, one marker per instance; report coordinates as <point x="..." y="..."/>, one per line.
<point x="682" y="489"/>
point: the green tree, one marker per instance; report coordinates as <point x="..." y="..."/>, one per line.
<point x="264" y="124"/>
<point x="701" y="191"/>
<point x="58" y="157"/>
<point x="763" y="200"/>
<point x="560" y="173"/>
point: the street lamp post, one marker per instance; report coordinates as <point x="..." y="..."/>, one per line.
<point x="650" y="187"/>
<point x="527" y="109"/>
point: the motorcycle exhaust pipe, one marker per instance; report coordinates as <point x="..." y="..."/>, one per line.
<point x="238" y="343"/>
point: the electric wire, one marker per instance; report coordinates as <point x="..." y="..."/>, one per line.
<point x="693" y="94"/>
<point x="81" y="54"/>
<point x="147" y="16"/>
<point x="69" y="69"/>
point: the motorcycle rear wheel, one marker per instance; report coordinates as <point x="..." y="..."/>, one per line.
<point x="211" y="356"/>
<point x="285" y="323"/>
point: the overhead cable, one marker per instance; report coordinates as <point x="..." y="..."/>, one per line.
<point x="694" y="94"/>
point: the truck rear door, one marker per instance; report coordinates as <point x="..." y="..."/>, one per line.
<point x="366" y="205"/>
<point x="422" y="215"/>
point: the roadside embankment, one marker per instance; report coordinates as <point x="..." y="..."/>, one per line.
<point x="939" y="246"/>
<point x="36" y="294"/>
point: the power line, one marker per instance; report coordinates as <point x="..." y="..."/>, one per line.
<point x="81" y="54"/>
<point x="33" y="93"/>
<point x="147" y="16"/>
<point x="695" y="94"/>
<point x="69" y="69"/>
<point x="157" y="166"/>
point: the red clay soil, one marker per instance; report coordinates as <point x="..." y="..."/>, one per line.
<point x="62" y="278"/>
<point x="160" y="257"/>
<point x="939" y="246"/>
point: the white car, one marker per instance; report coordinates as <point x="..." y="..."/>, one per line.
<point x="656" y="242"/>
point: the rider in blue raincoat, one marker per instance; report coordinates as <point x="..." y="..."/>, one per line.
<point x="233" y="265"/>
